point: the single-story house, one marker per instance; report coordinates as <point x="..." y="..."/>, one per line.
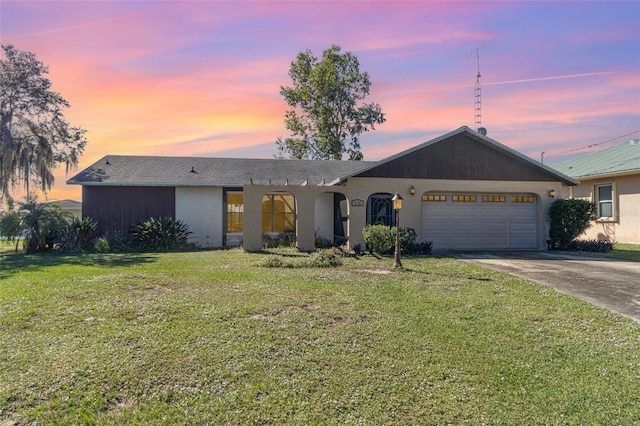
<point x="462" y="190"/>
<point x="71" y="206"/>
<point x="611" y="179"/>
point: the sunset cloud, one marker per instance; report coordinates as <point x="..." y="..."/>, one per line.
<point x="203" y="78"/>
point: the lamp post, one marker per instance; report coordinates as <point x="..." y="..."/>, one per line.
<point x="397" y="206"/>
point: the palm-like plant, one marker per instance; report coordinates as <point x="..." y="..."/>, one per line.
<point x="42" y="224"/>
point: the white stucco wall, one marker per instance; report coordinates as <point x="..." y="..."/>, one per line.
<point x="324" y="215"/>
<point x="202" y="209"/>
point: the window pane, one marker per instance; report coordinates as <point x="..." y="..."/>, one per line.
<point x="235" y="198"/>
<point x="266" y="222"/>
<point x="278" y="213"/>
<point x="380" y="211"/>
<point x="235" y="210"/>
<point x="287" y="203"/>
<point x="267" y="205"/>
<point x="606" y="209"/>
<point x="234" y="222"/>
<point x="604" y="193"/>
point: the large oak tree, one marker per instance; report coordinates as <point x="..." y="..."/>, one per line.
<point x="325" y="119"/>
<point x="35" y="138"/>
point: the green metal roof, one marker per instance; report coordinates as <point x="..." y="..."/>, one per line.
<point x="620" y="159"/>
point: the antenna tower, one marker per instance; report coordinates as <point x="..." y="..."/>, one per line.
<point x="478" y="89"/>
<point x="478" y="95"/>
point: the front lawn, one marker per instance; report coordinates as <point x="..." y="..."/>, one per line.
<point x="626" y="251"/>
<point x="211" y="338"/>
<point x="7" y="246"/>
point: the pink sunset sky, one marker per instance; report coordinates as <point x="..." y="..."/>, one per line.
<point x="202" y="78"/>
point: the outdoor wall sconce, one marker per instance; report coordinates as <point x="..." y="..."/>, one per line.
<point x="412" y="190"/>
<point x="397" y="206"/>
<point x="552" y="193"/>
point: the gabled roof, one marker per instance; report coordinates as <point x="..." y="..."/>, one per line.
<point x="461" y="154"/>
<point x="65" y="204"/>
<point x="117" y="170"/>
<point x="616" y="160"/>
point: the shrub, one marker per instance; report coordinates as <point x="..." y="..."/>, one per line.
<point x="592" y="246"/>
<point x="78" y="236"/>
<point x="569" y="219"/>
<point x="164" y="233"/>
<point x="380" y="239"/>
<point x="324" y="259"/>
<point x="42" y="225"/>
<point x="119" y="243"/>
<point x="322" y="242"/>
<point x="101" y="245"/>
<point x="423" y="248"/>
<point x="407" y="240"/>
<point x="274" y="262"/>
<point x="283" y="239"/>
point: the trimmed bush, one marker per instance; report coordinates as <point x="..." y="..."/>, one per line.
<point x="592" y="246"/>
<point x="569" y="219"/>
<point x="380" y="239"/>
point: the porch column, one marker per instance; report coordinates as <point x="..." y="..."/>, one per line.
<point x="357" y="220"/>
<point x="306" y="219"/>
<point x="252" y="218"/>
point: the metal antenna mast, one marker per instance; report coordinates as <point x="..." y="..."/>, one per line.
<point x="478" y="90"/>
<point x="478" y="95"/>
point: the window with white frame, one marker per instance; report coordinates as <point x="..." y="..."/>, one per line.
<point x="604" y="200"/>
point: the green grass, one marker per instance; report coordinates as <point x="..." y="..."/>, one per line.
<point x="626" y="251"/>
<point x="7" y="246"/>
<point x="211" y="338"/>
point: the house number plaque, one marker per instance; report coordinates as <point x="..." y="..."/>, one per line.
<point x="357" y="203"/>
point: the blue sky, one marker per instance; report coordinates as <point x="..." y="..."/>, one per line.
<point x="202" y="78"/>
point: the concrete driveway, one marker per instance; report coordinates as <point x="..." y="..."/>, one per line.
<point x="610" y="283"/>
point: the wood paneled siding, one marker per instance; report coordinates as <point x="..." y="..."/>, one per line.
<point x="116" y="208"/>
<point x="460" y="157"/>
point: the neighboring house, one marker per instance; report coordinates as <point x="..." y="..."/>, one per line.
<point x="611" y="179"/>
<point x="71" y="206"/>
<point x="461" y="190"/>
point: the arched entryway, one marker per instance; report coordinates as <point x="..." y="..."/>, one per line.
<point x="331" y="217"/>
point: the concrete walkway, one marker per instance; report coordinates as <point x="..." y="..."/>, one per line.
<point x="610" y="283"/>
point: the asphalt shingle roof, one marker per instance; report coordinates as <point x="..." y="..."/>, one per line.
<point x="622" y="158"/>
<point x="66" y="204"/>
<point x="114" y="170"/>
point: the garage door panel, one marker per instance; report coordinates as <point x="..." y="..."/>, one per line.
<point x="479" y="225"/>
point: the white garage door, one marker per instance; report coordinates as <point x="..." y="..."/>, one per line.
<point x="479" y="221"/>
